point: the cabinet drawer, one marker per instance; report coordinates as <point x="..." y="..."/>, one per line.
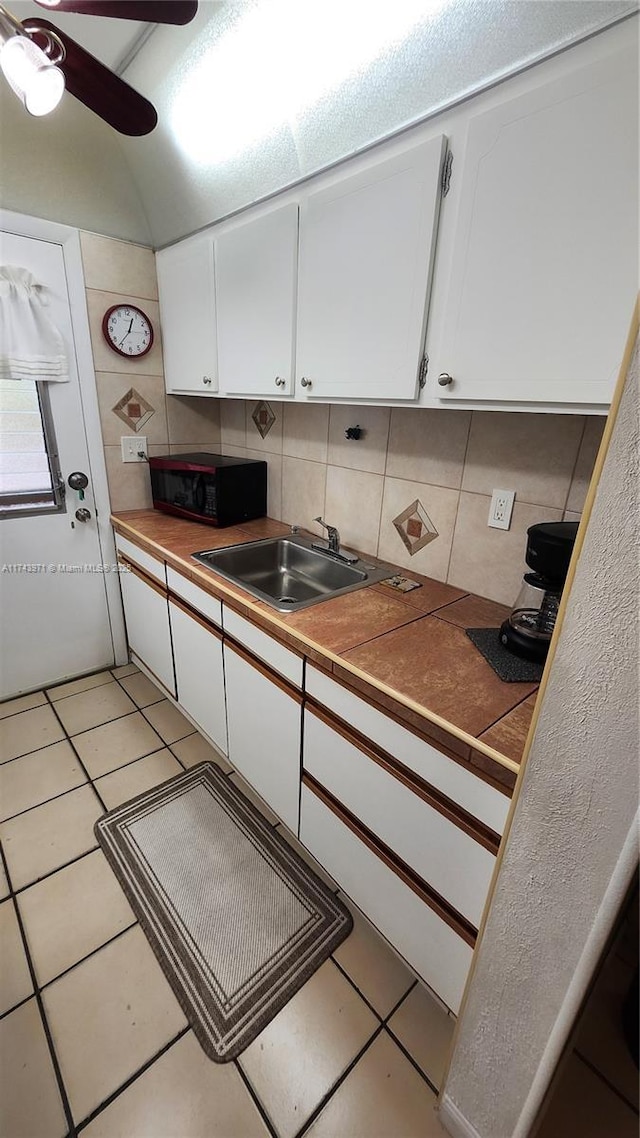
<point x="281" y="659"/>
<point x="449" y="860"/>
<point x="264" y="718"/>
<point x="147" y="619"/>
<point x="151" y="565"/>
<point x="197" y="653"/>
<point x="200" y="600"/>
<point x="463" y="787"/>
<point x="436" y="951"/>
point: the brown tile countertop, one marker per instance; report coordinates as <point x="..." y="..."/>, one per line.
<point x="407" y="652"/>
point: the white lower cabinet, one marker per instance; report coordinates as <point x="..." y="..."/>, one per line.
<point x="264" y="719"/>
<point x="146" y="613"/>
<point x="452" y="862"/>
<point x="435" y="950"/>
<point x="197" y="651"/>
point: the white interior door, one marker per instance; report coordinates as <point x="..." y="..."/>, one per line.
<point x="54" y="619"/>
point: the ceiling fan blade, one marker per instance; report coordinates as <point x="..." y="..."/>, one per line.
<point x="96" y="86"/>
<point x="149" y="11"/>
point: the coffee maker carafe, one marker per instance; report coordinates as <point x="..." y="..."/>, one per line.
<point x="528" y="628"/>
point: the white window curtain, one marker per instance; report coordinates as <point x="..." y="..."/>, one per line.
<point x="31" y="347"/>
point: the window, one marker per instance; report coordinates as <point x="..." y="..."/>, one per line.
<point x="30" y="480"/>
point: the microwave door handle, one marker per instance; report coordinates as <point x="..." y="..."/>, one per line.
<point x="199" y="494"/>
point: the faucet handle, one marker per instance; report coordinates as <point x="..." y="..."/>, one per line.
<point x="330" y="529"/>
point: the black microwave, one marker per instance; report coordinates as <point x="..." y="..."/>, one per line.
<point x="211" y="488"/>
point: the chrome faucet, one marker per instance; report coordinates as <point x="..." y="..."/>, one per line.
<point x="333" y="543"/>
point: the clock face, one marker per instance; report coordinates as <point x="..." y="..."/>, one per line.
<point x="127" y="330"/>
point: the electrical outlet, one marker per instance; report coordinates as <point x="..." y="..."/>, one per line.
<point x="501" y="509"/>
<point x="134" y="448"/>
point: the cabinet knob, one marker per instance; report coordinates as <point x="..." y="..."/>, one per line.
<point x="444" y="379"/>
<point x="280" y="382"/>
<point x="206" y="379"/>
<point x="304" y="382"/>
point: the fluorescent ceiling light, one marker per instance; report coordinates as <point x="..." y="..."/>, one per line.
<point x="279" y="59"/>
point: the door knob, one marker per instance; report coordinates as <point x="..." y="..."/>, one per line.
<point x="206" y="379"/>
<point x="280" y="382"/>
<point x="444" y="379"/>
<point x="82" y="515"/>
<point x="78" y="481"/>
<point x="304" y="382"/>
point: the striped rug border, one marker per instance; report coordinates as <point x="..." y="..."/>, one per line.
<point x="223" y="1028"/>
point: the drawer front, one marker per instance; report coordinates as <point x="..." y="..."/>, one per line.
<point x="264" y="720"/>
<point x="281" y="659"/>
<point x="197" y="653"/>
<point x="151" y="565"/>
<point x="449" y="777"/>
<point x="147" y="618"/>
<point x="454" y="864"/>
<point x="200" y="600"/>
<point x="431" y="947"/>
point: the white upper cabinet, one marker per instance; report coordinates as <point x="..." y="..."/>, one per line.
<point x="366" y="253"/>
<point x="544" y="266"/>
<point x="186" y="287"/>
<point x="256" y="272"/>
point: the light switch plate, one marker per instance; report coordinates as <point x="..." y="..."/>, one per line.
<point x="501" y="509"/>
<point x="134" y="448"/>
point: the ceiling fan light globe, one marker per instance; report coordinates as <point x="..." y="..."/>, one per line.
<point x="45" y="91"/>
<point x="36" y="82"/>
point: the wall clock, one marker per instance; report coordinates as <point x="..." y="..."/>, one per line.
<point x="127" y="330"/>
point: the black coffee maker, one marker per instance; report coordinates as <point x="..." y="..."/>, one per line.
<point x="528" y="628"/>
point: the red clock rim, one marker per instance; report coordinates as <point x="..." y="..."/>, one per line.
<point x="114" y="348"/>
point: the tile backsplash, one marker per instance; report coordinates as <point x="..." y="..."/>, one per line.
<point x="414" y="489"/>
<point x="448" y="462"/>
<point x="131" y="393"/>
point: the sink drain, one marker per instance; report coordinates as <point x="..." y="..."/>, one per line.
<point x="287" y="600"/>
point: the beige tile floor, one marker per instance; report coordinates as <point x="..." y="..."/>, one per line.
<point x="92" y="1039"/>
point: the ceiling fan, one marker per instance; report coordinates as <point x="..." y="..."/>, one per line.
<point x="39" y="61"/>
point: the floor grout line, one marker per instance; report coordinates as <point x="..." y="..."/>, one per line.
<point x="83" y="767"/>
<point x="54" y="798"/>
<point x="46" y="746"/>
<point x="338" y="1083"/>
<point x="94" y="952"/>
<point x="355" y="987"/>
<point x="407" y="1054"/>
<point x="71" y="1131"/>
<point x="132" y="1079"/>
<point x="52" y="872"/>
<point x="257" y="1102"/>
<point x="20" y="1004"/>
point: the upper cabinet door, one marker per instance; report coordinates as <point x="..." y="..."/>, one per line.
<point x="366" y="253"/>
<point x="544" y="269"/>
<point x="256" y="270"/>
<point x="186" y="287"/>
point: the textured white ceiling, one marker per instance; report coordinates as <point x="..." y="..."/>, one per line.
<point x="279" y="107"/>
<point x="259" y="85"/>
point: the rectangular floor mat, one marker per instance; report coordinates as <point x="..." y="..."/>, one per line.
<point x="236" y="919"/>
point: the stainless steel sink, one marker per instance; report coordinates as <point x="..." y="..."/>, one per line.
<point x="288" y="573"/>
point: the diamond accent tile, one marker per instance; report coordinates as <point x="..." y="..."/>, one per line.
<point x="133" y="410"/>
<point x="263" y="417"/>
<point x="415" y="527"/>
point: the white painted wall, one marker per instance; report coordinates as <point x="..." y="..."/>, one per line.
<point x="68" y="167"/>
<point x="573" y="843"/>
